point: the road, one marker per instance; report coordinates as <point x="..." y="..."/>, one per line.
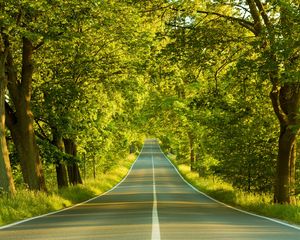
<point x="153" y="202"/>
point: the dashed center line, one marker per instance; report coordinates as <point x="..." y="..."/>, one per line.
<point x="155" y="220"/>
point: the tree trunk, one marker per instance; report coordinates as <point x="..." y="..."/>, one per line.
<point x="73" y="169"/>
<point x="285" y="96"/>
<point x="20" y="122"/>
<point x="94" y="167"/>
<point x="293" y="173"/>
<point x="249" y="177"/>
<point x="61" y="172"/>
<point x="286" y="103"/>
<point x="132" y="148"/>
<point x="192" y="152"/>
<point x="6" y="178"/>
<point x="61" y="175"/>
<point x="284" y="188"/>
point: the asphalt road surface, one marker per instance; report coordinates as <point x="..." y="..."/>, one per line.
<point x="153" y="202"/>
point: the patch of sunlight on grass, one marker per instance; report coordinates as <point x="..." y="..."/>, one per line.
<point x="26" y="204"/>
<point x="76" y="194"/>
<point x="253" y="202"/>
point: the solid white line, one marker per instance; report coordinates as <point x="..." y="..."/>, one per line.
<point x="78" y="204"/>
<point x="224" y="204"/>
<point x="155" y="221"/>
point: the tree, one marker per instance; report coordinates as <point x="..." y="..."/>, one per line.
<point x="6" y="179"/>
<point x="60" y="166"/>
<point x="272" y="35"/>
<point x="35" y="24"/>
<point x="24" y="37"/>
<point x="281" y="65"/>
<point x="20" y="121"/>
<point x="96" y="89"/>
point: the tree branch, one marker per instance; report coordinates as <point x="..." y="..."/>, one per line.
<point x="244" y="23"/>
<point x="275" y="98"/>
<point x="263" y="13"/>
<point x="36" y="47"/>
<point x="27" y="66"/>
<point x="41" y="135"/>
<point x="13" y="83"/>
<point x="255" y="15"/>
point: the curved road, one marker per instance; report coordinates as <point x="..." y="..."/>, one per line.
<point x="153" y="202"/>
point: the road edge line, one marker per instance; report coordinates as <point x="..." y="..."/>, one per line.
<point x="226" y="205"/>
<point x="77" y="204"/>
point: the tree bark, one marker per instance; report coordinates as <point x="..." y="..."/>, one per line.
<point x="73" y="169"/>
<point x="20" y="121"/>
<point x="285" y="167"/>
<point x="285" y="96"/>
<point x="94" y="167"/>
<point x="192" y="152"/>
<point x="292" y="169"/>
<point x="6" y="178"/>
<point x="61" y="171"/>
<point x="286" y="103"/>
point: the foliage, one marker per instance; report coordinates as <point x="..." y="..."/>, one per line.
<point x="195" y="74"/>
<point x="212" y="83"/>
<point x="50" y="154"/>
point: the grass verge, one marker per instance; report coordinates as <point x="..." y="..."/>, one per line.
<point x="26" y="204"/>
<point x="256" y="203"/>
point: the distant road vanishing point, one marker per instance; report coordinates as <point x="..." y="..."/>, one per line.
<point x="152" y="202"/>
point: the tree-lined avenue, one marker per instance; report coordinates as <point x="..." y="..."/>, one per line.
<point x="126" y="212"/>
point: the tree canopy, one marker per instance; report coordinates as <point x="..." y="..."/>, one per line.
<point x="216" y="81"/>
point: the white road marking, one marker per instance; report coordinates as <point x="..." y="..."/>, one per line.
<point x="155" y="221"/>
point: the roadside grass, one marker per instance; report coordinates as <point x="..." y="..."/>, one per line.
<point x="255" y="203"/>
<point x="26" y="204"/>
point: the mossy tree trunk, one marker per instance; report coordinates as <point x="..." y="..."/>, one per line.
<point x="20" y="118"/>
<point x="61" y="171"/>
<point x="286" y="103"/>
<point x="192" y="151"/>
<point x="285" y="93"/>
<point x="73" y="169"/>
<point x="6" y="178"/>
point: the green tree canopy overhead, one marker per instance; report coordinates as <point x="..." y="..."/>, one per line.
<point x="93" y="75"/>
<point x="253" y="44"/>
